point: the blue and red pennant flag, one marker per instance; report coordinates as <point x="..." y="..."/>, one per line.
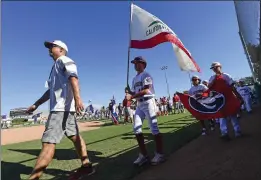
<point x="218" y="102"/>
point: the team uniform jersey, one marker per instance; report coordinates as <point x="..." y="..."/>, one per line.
<point x="244" y="91"/>
<point x="164" y="101"/>
<point x="141" y="80"/>
<point x="175" y="99"/>
<point x="146" y="105"/>
<point x="197" y="89"/>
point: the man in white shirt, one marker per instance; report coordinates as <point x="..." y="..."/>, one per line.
<point x="245" y="92"/>
<point x="197" y="90"/>
<point x="216" y="67"/>
<point x="64" y="95"/>
<point x="143" y="91"/>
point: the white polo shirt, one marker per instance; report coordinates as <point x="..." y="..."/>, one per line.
<point x="61" y="94"/>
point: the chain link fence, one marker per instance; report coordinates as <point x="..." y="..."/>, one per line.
<point x="248" y="17"/>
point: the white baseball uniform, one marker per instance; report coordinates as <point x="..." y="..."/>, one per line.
<point x="223" y="121"/>
<point x="245" y="92"/>
<point x="146" y="106"/>
<point x="197" y="89"/>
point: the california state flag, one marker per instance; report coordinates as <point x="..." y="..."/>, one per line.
<point x="147" y="31"/>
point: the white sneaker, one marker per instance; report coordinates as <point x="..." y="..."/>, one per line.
<point x="141" y="160"/>
<point x="158" y="158"/>
<point x="203" y="133"/>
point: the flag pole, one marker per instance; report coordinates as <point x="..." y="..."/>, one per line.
<point x="190" y="79"/>
<point x="128" y="64"/>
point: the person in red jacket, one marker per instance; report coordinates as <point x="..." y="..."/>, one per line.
<point x="176" y="103"/>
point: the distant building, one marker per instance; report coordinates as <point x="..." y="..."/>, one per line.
<point x="19" y="113"/>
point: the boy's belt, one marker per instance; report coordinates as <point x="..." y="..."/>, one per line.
<point x="145" y="99"/>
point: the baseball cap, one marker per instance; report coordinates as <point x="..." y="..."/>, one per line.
<point x="59" y="43"/>
<point x="195" y="77"/>
<point x="139" y="59"/>
<point x="215" y="64"/>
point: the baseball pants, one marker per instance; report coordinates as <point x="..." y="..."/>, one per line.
<point x="146" y="109"/>
<point x="223" y="125"/>
<point x="247" y="103"/>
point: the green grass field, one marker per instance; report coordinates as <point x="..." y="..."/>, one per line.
<point x="112" y="149"/>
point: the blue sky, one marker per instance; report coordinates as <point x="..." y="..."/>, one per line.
<point x="97" y="37"/>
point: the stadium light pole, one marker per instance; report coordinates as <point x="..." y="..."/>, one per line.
<point x="164" y="68"/>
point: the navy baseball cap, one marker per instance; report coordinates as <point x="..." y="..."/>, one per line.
<point x="139" y="59"/>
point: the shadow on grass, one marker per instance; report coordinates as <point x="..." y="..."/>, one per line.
<point x="12" y="171"/>
<point x="119" y="166"/>
<point x="172" y="121"/>
<point x="61" y="154"/>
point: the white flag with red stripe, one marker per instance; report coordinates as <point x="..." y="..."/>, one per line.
<point x="148" y="31"/>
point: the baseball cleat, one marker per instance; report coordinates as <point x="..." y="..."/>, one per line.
<point x="141" y="160"/>
<point x="158" y="158"/>
<point x="225" y="137"/>
<point x="238" y="134"/>
<point x="203" y="132"/>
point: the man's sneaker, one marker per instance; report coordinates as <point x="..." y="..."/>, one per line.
<point x="225" y="137"/>
<point x="204" y="132"/>
<point x="158" y="158"/>
<point x="212" y="128"/>
<point x="82" y="172"/>
<point x="141" y="160"/>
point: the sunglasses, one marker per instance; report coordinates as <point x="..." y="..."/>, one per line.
<point x="194" y="79"/>
<point x="215" y="67"/>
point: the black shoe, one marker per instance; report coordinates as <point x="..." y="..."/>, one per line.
<point x="82" y="172"/>
<point x="225" y="137"/>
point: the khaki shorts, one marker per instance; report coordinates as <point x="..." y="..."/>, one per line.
<point x="58" y="124"/>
